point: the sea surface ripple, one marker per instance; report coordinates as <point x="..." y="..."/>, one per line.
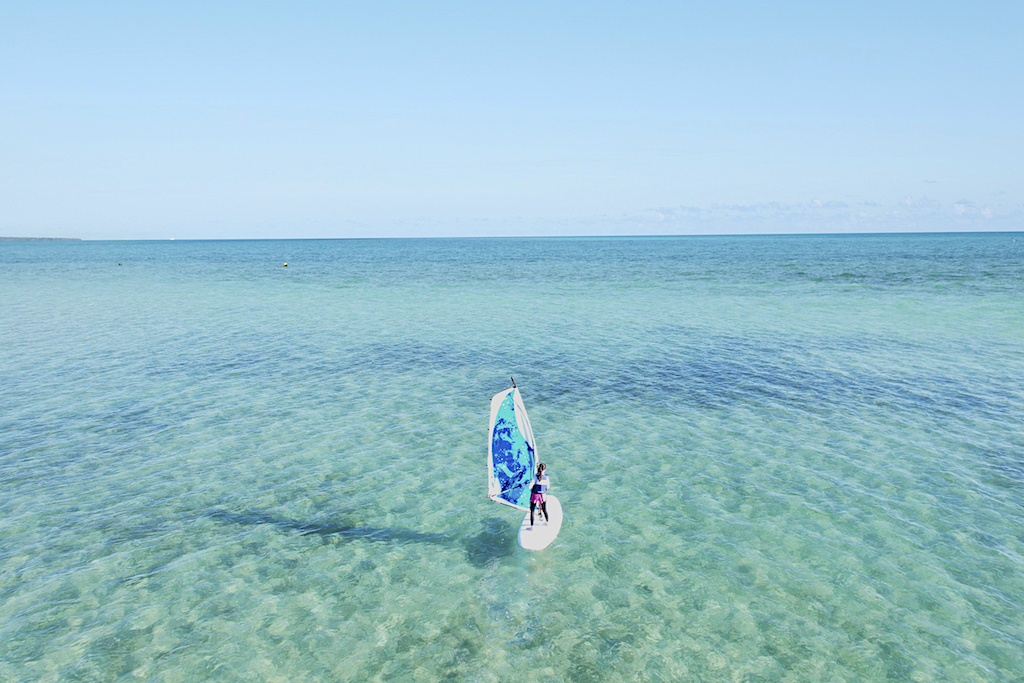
<point x="790" y="458"/>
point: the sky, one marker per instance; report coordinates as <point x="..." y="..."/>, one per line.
<point x="224" y="120"/>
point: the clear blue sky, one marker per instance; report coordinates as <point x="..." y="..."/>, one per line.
<point x="323" y="119"/>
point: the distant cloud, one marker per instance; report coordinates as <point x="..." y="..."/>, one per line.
<point x="910" y="214"/>
<point x="921" y="203"/>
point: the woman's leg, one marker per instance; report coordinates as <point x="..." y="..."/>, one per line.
<point x="544" y="509"/>
<point x="532" y="506"/>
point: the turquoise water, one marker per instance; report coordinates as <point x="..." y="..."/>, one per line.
<point x="780" y="459"/>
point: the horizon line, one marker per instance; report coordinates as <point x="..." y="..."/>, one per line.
<point x="472" y="237"/>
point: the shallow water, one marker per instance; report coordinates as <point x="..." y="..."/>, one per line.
<point x="780" y="459"/>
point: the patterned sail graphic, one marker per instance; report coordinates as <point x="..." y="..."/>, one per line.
<point x="511" y="453"/>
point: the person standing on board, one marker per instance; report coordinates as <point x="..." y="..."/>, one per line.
<point x="540" y="485"/>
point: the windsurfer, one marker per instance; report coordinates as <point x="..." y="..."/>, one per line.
<point x="540" y="485"/>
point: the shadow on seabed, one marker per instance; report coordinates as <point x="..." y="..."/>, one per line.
<point x="494" y="541"/>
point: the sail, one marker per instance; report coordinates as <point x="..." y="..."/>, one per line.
<point x="511" y="451"/>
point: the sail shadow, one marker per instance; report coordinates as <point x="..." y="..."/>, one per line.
<point x="331" y="529"/>
<point x="494" y="542"/>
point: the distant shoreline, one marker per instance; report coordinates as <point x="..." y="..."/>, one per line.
<point x="40" y="239"/>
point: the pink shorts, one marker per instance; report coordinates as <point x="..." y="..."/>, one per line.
<point x="536" y="499"/>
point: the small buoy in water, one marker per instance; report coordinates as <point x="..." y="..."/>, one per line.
<point x="286" y="265"/>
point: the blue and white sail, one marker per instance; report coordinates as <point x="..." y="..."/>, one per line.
<point x="511" y="451"/>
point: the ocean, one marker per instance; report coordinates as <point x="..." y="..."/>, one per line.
<point x="781" y="458"/>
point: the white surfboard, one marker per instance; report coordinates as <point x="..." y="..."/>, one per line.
<point x="541" y="534"/>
